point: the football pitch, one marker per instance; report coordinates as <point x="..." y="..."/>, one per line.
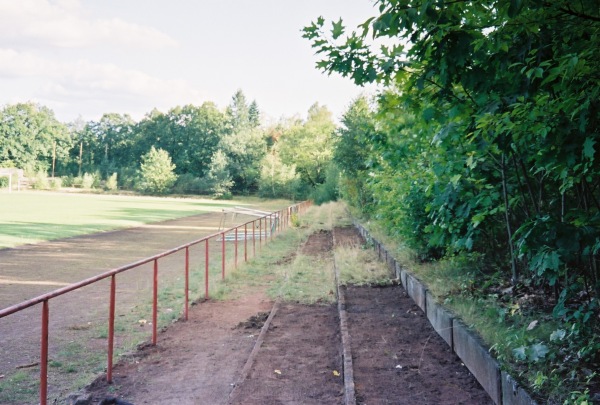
<point x="32" y="217"/>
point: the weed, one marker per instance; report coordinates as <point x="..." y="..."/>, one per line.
<point x="359" y="266"/>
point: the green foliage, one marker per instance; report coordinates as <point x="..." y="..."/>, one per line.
<point x="111" y="183"/>
<point x="486" y="141"/>
<point x="40" y="181"/>
<point x="55" y="183"/>
<point x="309" y="145"/>
<point x="88" y="180"/>
<point x="277" y="179"/>
<point x="244" y="150"/>
<point x="189" y="184"/>
<point x="219" y="180"/>
<point x="189" y="134"/>
<point x="329" y="189"/>
<point x="156" y="174"/>
<point x="29" y="133"/>
<point x="352" y="153"/>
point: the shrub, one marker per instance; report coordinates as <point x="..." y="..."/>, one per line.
<point x="40" y="181"/>
<point x="111" y="183"/>
<point x="88" y="180"/>
<point x="56" y="183"/>
<point x="127" y="178"/>
<point x="329" y="190"/>
<point x="218" y="178"/>
<point x="67" y="181"/>
<point x="277" y="179"/>
<point x="156" y="174"/>
<point x="189" y="184"/>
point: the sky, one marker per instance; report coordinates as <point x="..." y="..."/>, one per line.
<point x="84" y="58"/>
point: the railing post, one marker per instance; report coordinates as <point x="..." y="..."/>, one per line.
<point x="223" y="255"/>
<point x="271" y="226"/>
<point x="206" y="270"/>
<point x="278" y="220"/>
<point x="187" y="283"/>
<point x="253" y="238"/>
<point x="260" y="233"/>
<point x="155" y="304"/>
<point x="111" y="328"/>
<point x="246" y="242"/>
<point x="44" y="354"/>
<point x="236" y="248"/>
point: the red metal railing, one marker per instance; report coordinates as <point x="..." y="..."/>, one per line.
<point x="276" y="221"/>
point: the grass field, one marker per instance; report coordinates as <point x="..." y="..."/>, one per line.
<point x="32" y="217"/>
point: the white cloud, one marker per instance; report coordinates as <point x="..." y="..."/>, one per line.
<point x="64" y="24"/>
<point x="82" y="81"/>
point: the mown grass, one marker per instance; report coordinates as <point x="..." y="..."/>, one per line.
<point x="32" y="217"/>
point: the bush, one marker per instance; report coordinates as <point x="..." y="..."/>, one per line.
<point x="67" y="181"/>
<point x="278" y="179"/>
<point x="40" y="181"/>
<point x="219" y="179"/>
<point x="329" y="190"/>
<point x="189" y="184"/>
<point x="111" y="183"/>
<point x="97" y="180"/>
<point x="56" y="183"/>
<point x="127" y="178"/>
<point x="156" y="174"/>
<point x="88" y="180"/>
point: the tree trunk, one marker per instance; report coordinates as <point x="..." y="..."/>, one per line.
<point x="513" y="259"/>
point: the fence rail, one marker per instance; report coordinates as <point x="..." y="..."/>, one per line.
<point x="268" y="225"/>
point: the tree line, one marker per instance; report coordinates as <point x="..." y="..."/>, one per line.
<point x="189" y="149"/>
<point x="483" y="144"/>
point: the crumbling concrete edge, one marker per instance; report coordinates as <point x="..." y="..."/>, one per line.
<point x="467" y="345"/>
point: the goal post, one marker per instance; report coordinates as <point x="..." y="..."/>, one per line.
<point x="10" y="172"/>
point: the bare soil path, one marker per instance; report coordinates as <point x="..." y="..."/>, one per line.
<point x="398" y="358"/>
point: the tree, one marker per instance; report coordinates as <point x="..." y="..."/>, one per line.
<point x="309" y="145"/>
<point x="31" y="137"/>
<point x="277" y="179"/>
<point x="190" y="134"/>
<point x="109" y="143"/>
<point x="218" y="178"/>
<point x="353" y="151"/>
<point x="156" y="173"/>
<point x="240" y="114"/>
<point x="510" y="89"/>
<point x="244" y="143"/>
<point x="501" y="99"/>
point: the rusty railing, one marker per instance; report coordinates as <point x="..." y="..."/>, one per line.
<point x="273" y="223"/>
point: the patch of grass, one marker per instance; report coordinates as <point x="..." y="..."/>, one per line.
<point x="360" y="266"/>
<point x="306" y="280"/>
<point x="20" y="387"/>
<point x="286" y="273"/>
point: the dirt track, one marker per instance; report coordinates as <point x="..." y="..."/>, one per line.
<point x="398" y="357"/>
<point x="199" y="361"/>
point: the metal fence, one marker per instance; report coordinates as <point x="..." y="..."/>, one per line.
<point x="246" y="239"/>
